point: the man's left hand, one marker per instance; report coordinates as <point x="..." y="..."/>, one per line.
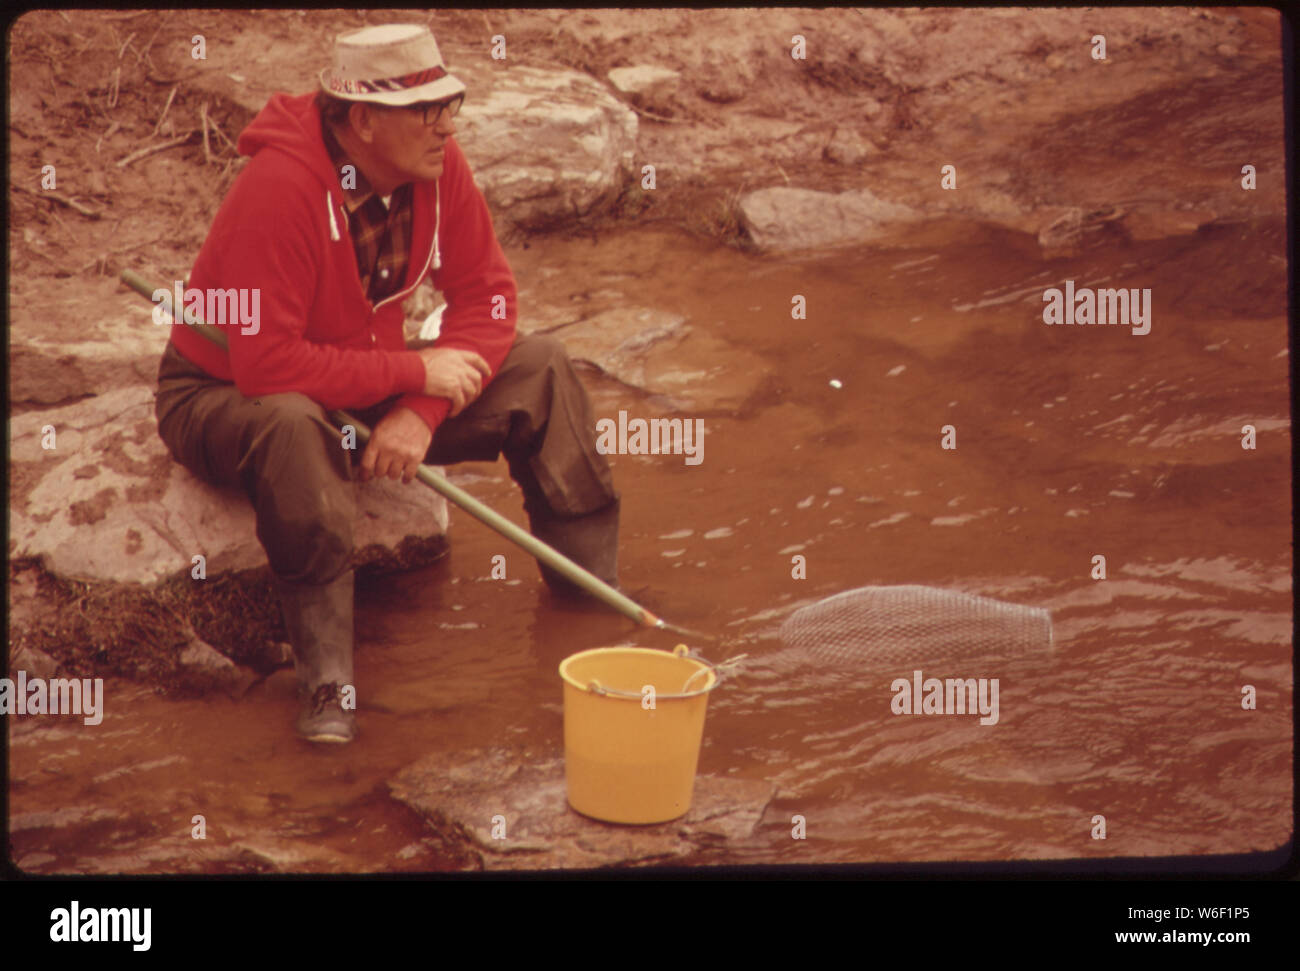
<point x="397" y="446"/>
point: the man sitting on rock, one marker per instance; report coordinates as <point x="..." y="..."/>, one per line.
<point x="351" y="198"/>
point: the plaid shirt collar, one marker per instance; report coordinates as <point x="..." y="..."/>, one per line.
<point x="381" y="235"/>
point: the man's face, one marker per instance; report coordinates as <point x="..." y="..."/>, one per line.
<point x="404" y="146"/>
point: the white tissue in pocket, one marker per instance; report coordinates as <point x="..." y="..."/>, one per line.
<point x="432" y="325"/>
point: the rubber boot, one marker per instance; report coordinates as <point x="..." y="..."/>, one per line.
<point x="319" y="622"/>
<point x="591" y="541"/>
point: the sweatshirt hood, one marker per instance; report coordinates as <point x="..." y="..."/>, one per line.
<point x="290" y="124"/>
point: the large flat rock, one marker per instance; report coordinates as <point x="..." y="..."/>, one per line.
<point x="460" y="793"/>
<point x="116" y="348"/>
<point x="544" y="144"/>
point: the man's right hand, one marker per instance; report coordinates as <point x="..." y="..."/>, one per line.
<point x="452" y="373"/>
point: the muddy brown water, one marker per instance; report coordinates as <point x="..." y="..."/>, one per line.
<point x="1071" y="442"/>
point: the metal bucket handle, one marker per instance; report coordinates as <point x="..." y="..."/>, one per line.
<point x="721" y="671"/>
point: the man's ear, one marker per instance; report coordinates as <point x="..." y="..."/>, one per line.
<point x="362" y="119"/>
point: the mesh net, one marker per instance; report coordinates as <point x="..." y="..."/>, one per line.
<point x="908" y="624"/>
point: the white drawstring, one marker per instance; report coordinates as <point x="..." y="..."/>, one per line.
<point x="329" y="207"/>
<point x="437" y="222"/>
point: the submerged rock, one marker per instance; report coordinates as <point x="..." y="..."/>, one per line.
<point x="784" y="219"/>
<point x="471" y="797"/>
<point x="658" y="352"/>
<point x="617" y="341"/>
<point x="1076" y="229"/>
<point x="207" y="668"/>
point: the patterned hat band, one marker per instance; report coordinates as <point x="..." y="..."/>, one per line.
<point x="389" y="64"/>
<point x="388" y="84"/>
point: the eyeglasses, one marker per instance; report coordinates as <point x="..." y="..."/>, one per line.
<point x="433" y="110"/>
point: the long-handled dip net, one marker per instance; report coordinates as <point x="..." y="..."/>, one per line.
<point x="909" y="624"/>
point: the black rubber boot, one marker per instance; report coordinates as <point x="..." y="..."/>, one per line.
<point x="319" y="622"/>
<point x="591" y="541"/>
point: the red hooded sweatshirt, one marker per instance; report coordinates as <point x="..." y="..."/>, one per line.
<point x="282" y="229"/>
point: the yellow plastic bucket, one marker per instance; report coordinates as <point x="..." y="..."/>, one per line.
<point x="630" y="753"/>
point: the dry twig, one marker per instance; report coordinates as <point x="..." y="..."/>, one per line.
<point x="167" y="107"/>
<point x="151" y="149"/>
<point x="203" y="120"/>
<point x="108" y="134"/>
<point x="102" y="258"/>
<point x="60" y="199"/>
<point x="46" y="256"/>
<point x="141" y="55"/>
<point x="63" y="228"/>
<point x="217" y="128"/>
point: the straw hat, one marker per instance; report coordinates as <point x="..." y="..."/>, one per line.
<point x="392" y="64"/>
